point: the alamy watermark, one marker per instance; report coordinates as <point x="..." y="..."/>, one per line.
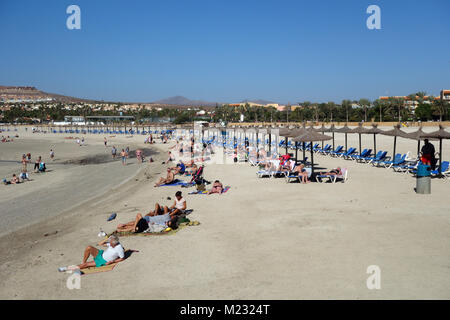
<point x="374" y="20"/>
<point x="374" y="280"/>
<point x="74" y="20"/>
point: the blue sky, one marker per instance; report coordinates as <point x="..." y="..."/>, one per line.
<point x="227" y="51"/>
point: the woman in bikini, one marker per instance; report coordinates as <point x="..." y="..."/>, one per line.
<point x="217" y="187"/>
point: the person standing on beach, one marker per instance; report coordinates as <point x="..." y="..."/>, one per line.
<point x="36" y="164"/>
<point x="24" y="163"/>
<point x="428" y="156"/>
<point x="123" y="154"/>
<point x="52" y="154"/>
<point x="113" y="152"/>
<point x="105" y="141"/>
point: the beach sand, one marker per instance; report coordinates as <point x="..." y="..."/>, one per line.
<point x="263" y="239"/>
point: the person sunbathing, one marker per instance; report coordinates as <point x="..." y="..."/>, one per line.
<point x="159" y="210"/>
<point x="114" y="253"/>
<point x="333" y="172"/>
<point x="287" y="166"/>
<point x="15" y="179"/>
<point x="191" y="170"/>
<point x="217" y="187"/>
<point x="301" y="172"/>
<point x="141" y="223"/>
<point x="168" y="179"/>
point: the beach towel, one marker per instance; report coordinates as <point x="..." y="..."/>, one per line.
<point x="167" y="231"/>
<point x="225" y="189"/>
<point x="177" y="182"/>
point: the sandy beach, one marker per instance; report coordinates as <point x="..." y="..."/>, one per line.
<point x="263" y="239"/>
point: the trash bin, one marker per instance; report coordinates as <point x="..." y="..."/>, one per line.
<point x="423" y="179"/>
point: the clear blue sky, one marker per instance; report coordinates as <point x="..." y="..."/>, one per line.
<point x="227" y="51"/>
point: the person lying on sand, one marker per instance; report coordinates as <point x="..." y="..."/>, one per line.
<point x="168" y="179"/>
<point x="141" y="223"/>
<point x="217" y="187"/>
<point x="171" y="158"/>
<point x="14" y="180"/>
<point x="113" y="253"/>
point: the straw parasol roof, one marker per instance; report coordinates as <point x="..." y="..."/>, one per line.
<point x="439" y="134"/>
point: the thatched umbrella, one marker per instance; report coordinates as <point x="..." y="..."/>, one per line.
<point x="417" y="136"/>
<point x="374" y="130"/>
<point x="439" y="134"/>
<point x="345" y="130"/>
<point x="396" y="132"/>
<point x="311" y="136"/>
<point x="359" y="130"/>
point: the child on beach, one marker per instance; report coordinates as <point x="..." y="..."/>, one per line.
<point x="52" y="154"/>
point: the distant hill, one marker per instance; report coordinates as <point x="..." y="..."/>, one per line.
<point x="183" y="101"/>
<point x="23" y="93"/>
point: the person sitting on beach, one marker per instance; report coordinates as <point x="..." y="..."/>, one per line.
<point x="191" y="170"/>
<point x="301" y="172"/>
<point x="217" y="187"/>
<point x="168" y="179"/>
<point x="179" y="205"/>
<point x="114" y="253"/>
<point x="42" y="167"/>
<point x="171" y="158"/>
<point x="15" y="179"/>
<point x="287" y="166"/>
<point x="24" y="176"/>
<point x="180" y="168"/>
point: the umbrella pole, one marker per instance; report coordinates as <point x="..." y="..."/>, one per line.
<point x="346" y="142"/>
<point x="312" y="162"/>
<point x="418" y="148"/>
<point x="374" y="144"/>
<point x="323" y="132"/>
<point x="286" y="143"/>
<point x="360" y="144"/>
<point x="333" y="141"/>
<point x="304" y="153"/>
<point x="440" y="157"/>
<point x="270" y="143"/>
<point x="395" y="144"/>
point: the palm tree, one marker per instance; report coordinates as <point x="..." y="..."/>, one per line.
<point x="364" y="103"/>
<point x="346" y="104"/>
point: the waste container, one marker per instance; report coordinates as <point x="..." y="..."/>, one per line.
<point x="423" y="179"/>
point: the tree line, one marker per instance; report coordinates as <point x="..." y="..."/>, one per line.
<point x="391" y="109"/>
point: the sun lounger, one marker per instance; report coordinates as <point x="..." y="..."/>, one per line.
<point x="364" y="153"/>
<point x="291" y="175"/>
<point x="337" y="150"/>
<point x="344" y="154"/>
<point x="381" y="155"/>
<point x="333" y="177"/>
